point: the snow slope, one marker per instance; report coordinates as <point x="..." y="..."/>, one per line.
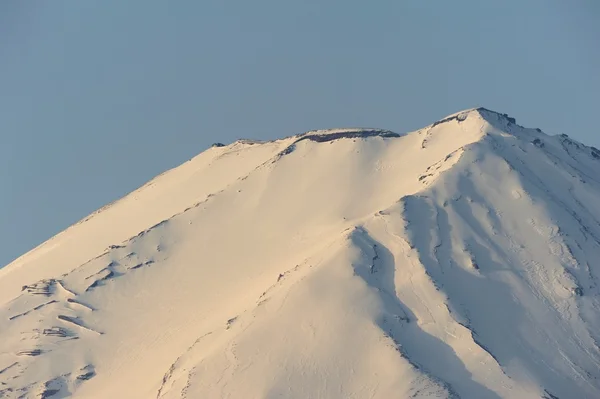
<point x="458" y="261"/>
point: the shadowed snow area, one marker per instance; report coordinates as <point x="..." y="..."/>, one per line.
<point x="457" y="261"/>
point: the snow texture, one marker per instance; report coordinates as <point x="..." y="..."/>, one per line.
<point x="457" y="261"/>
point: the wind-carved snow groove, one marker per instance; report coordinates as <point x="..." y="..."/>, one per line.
<point x="531" y="177"/>
<point x="165" y="222"/>
<point x="77" y="322"/>
<point x="417" y="222"/>
<point x="562" y="251"/>
<point x="548" y="395"/>
<point x="281" y="279"/>
<point x="66" y="321"/>
<point x="8" y="367"/>
<point x="169" y="374"/>
<point x="144" y="232"/>
<point x="424" y="223"/>
<point x="43" y="287"/>
<point x="62" y="385"/>
<point x="57" y="324"/>
<point x="38" y="307"/>
<point x="108" y="274"/>
<point x="474" y="336"/>
<point x="570" y="209"/>
<point x="566" y="142"/>
<point x="585" y="228"/>
<point x="434" y="170"/>
<point x="47" y="288"/>
<point x="112" y="271"/>
<point x="179" y="369"/>
<point x="79" y="303"/>
<point x="397" y="319"/>
<point x="568" y="167"/>
<point x="142" y="264"/>
<point x="57" y="332"/>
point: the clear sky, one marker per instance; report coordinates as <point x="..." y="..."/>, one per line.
<point x="97" y="97"/>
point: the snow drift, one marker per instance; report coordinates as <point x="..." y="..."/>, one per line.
<point x="457" y="261"/>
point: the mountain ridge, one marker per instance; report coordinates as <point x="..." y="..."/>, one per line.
<point x="455" y="261"/>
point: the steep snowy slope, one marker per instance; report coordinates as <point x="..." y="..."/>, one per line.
<point x="159" y="199"/>
<point x="456" y="261"/>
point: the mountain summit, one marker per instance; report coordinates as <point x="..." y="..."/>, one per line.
<point x="457" y="261"/>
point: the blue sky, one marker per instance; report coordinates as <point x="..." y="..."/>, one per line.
<point x="97" y="97"/>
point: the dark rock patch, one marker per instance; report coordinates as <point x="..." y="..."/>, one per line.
<point x="57" y="332"/>
<point x="43" y="287"/>
<point x="32" y="352"/>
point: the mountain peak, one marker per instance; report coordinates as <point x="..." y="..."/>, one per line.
<point x="326" y="135"/>
<point x="490" y="116"/>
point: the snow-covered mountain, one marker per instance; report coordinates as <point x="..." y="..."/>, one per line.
<point x="457" y="261"/>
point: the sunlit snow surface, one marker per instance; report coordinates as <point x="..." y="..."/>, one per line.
<point x="458" y="261"/>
